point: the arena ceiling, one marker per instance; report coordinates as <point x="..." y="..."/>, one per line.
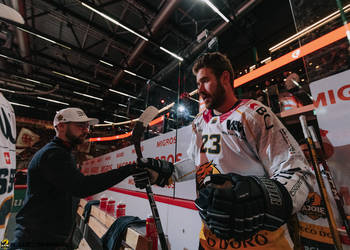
<point x="69" y="48"/>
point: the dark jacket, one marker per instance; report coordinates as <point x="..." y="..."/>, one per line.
<point x="53" y="180"/>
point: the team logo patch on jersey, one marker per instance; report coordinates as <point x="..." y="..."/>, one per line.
<point x="203" y="171"/>
<point x="313" y="207"/>
<point x="214" y="120"/>
<point x="253" y="105"/>
<point x="235" y="128"/>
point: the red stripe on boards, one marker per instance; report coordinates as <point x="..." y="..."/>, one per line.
<point x="20" y="186"/>
<point x="160" y="198"/>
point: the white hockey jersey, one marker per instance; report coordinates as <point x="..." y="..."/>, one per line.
<point x="247" y="140"/>
<point x="7" y="161"/>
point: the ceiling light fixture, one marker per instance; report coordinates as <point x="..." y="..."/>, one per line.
<point x="127" y="28"/>
<point x="141" y="110"/>
<point x="86" y="95"/>
<point x="44" y="38"/>
<point x="171" y="53"/>
<point x="51" y="100"/>
<point x="108" y="122"/>
<point x="70" y="77"/>
<point x="121" y="93"/>
<point x="75" y="78"/>
<point x="308" y="29"/>
<point x="266" y="60"/>
<point x="10" y="58"/>
<point x="22" y="83"/>
<point x="129" y="72"/>
<point x="113" y="21"/>
<point x="31" y="80"/>
<point x="251" y="68"/>
<point x="213" y="7"/>
<point x="134" y="74"/>
<point x="7" y="90"/>
<point x="35" y="81"/>
<point x="38" y="82"/>
<point x="107" y="63"/>
<point x="141" y="77"/>
<point x="121" y="116"/>
<point x="20" y="104"/>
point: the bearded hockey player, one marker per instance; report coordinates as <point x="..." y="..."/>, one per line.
<point x="251" y="175"/>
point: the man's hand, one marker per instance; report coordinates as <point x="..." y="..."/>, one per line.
<point x="132" y="169"/>
<point x="248" y="205"/>
<point x="157" y="172"/>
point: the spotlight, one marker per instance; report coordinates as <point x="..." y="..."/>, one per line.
<point x="181" y="108"/>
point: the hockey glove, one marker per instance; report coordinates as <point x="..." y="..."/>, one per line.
<point x="251" y="204"/>
<point x="158" y="172"/>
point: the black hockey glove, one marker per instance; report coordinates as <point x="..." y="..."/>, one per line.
<point x="162" y="171"/>
<point x="251" y="204"/>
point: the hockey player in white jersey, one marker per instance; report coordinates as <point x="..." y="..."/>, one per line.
<point x="251" y="175"/>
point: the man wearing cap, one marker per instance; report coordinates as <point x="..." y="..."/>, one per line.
<point x="46" y="219"/>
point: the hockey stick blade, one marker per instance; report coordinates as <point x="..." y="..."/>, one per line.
<point x="148" y="115"/>
<point x="11" y="14"/>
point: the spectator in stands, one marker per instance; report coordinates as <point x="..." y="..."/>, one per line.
<point x="272" y="94"/>
<point x="260" y="96"/>
<point x="46" y="220"/>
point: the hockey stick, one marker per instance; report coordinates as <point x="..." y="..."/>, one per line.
<point x="11" y="14"/>
<point x="330" y="215"/>
<point x="337" y="196"/>
<point x="137" y="133"/>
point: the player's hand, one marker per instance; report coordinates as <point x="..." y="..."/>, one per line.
<point x="235" y="206"/>
<point x="157" y="172"/>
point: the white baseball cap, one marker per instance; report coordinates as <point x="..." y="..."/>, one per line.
<point x="72" y="115"/>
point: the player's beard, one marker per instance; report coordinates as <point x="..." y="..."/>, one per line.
<point x="217" y="98"/>
<point x="74" y="140"/>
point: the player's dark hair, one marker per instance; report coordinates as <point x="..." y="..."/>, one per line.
<point x="217" y="62"/>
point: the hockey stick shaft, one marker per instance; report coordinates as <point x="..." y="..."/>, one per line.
<point x="321" y="185"/>
<point x="150" y="196"/>
<point x="337" y="196"/>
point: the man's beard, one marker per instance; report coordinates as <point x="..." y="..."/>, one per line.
<point x="218" y="97"/>
<point x="74" y="140"/>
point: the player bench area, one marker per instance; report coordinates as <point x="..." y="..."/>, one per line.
<point x="97" y="225"/>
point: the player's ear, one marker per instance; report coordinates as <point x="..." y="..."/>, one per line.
<point x="225" y="78"/>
